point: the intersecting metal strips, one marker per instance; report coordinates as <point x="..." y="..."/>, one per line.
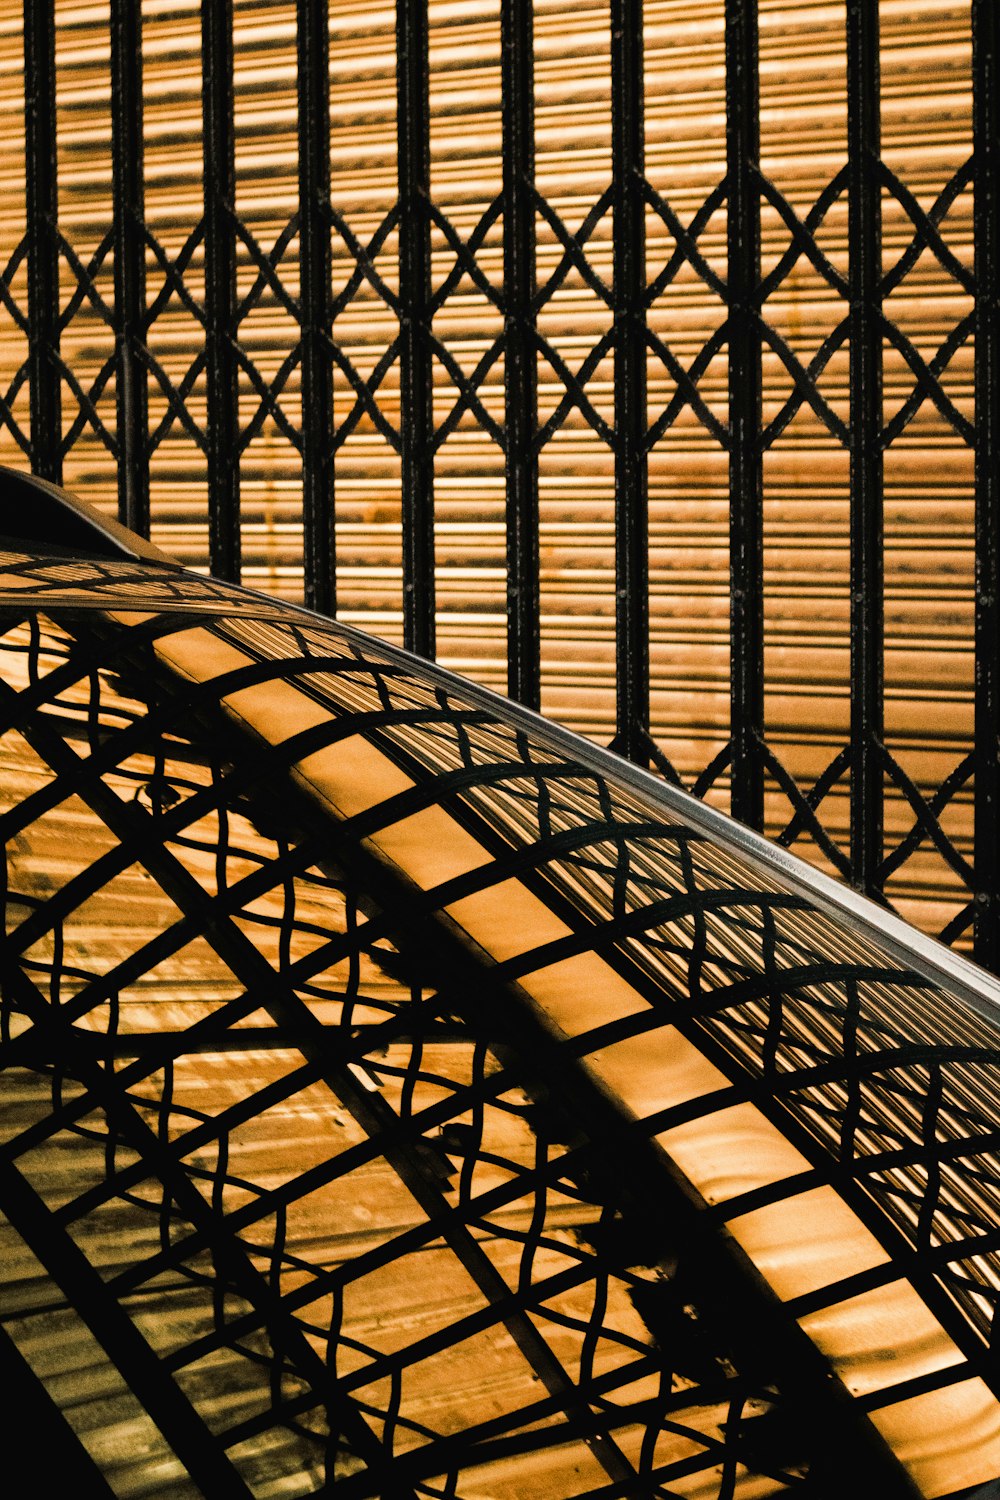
<point x="538" y="353"/>
<point x="415" y="1101"/>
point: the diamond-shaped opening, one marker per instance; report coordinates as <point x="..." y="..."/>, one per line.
<point x="468" y="324"/>
<point x="577" y="559"/>
<point x="689" y="598"/>
<point x="368" y="504"/>
<point x="806" y="621"/>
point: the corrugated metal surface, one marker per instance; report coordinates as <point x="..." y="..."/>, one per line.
<point x="929" y="562"/>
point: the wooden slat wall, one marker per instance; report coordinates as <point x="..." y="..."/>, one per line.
<point x="929" y="558"/>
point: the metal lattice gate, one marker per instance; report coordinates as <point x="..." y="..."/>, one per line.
<point x="128" y="401"/>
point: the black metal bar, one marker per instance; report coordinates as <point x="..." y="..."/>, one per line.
<point x="220" y="289"/>
<point x="867" y="570"/>
<point x="130" y="263"/>
<point x="986" y="128"/>
<point x="631" y="470"/>
<point x="416" y="376"/>
<point x="520" y="376"/>
<point x="318" y="516"/>
<point x="746" y="504"/>
<point x="180" y="1424"/>
<point x="42" y="212"/>
<point x="372" y="1112"/>
<point x="60" y="1463"/>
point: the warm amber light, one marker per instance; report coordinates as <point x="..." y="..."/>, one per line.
<point x="929" y="560"/>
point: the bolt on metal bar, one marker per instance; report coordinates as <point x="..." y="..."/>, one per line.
<point x="318" y="510"/>
<point x="520" y="374"/>
<point x="220" y="289"/>
<point x="130" y="264"/>
<point x="986" y="222"/>
<point x="866" y="465"/>
<point x="42" y="215"/>
<point x="631" y="467"/>
<point x="416" y="374"/>
<point x="746" y="505"/>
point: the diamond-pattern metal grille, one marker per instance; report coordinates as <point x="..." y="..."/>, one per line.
<point x="732" y="342"/>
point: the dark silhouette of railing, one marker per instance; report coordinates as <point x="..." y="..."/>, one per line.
<point x="402" y="984"/>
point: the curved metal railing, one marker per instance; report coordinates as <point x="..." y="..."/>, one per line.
<point x="405" y="1092"/>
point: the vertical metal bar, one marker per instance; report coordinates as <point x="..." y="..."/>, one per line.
<point x="130" y="262"/>
<point x="867" y="570"/>
<point x="220" y="289"/>
<point x="523" y="608"/>
<point x="318" y="517"/>
<point x="416" y="377"/>
<point x="746" y="506"/>
<point x="631" y="490"/>
<point x="42" y="209"/>
<point x="986" y="135"/>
